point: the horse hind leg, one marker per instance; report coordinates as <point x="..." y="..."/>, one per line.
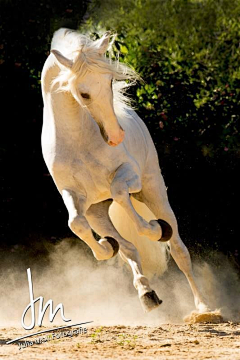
<point x="154" y="195"/>
<point x="99" y="220"/>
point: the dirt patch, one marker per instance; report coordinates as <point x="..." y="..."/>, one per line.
<point x="213" y="317"/>
<point x="171" y="341"/>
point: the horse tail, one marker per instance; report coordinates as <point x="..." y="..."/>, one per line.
<point x="154" y="255"/>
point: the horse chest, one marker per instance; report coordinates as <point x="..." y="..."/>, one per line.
<point x="91" y="172"/>
<point x="84" y="174"/>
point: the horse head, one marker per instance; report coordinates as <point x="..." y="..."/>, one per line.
<point x="90" y="77"/>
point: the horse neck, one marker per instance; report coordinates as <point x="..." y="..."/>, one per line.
<point x="64" y="114"/>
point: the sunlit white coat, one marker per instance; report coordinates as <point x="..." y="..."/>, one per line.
<point x="98" y="150"/>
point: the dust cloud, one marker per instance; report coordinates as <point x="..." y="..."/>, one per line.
<point x="102" y="292"/>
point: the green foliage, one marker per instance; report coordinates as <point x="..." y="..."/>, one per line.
<point x="96" y="335"/>
<point x="187" y="52"/>
<point x="127" y="341"/>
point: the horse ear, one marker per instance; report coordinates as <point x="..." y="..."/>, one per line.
<point x="62" y="59"/>
<point x="103" y="43"/>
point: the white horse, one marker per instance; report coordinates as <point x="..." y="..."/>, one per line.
<point x="99" y="152"/>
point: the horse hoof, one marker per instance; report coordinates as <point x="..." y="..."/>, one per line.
<point x="114" y="244"/>
<point x="166" y="230"/>
<point x="150" y="301"/>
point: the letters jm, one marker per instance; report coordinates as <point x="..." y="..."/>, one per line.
<point x="42" y="310"/>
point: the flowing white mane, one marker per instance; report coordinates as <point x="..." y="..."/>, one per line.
<point x="84" y="53"/>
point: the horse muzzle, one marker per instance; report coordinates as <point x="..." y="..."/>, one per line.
<point x="114" y="140"/>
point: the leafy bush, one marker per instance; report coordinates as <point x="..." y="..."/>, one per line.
<point x="187" y="52"/>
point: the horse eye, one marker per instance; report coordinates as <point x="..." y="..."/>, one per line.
<point x="85" y="96"/>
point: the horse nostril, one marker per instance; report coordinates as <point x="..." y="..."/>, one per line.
<point x="116" y="139"/>
<point x="111" y="143"/>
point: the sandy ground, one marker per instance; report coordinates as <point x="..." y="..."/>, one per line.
<point x="168" y="341"/>
<point x="103" y="293"/>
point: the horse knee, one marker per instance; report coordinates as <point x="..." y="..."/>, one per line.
<point x="135" y="184"/>
<point x="78" y="225"/>
<point x="119" y="193"/>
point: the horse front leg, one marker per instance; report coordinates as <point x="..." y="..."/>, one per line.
<point x="100" y="222"/>
<point x="76" y="206"/>
<point x="127" y="181"/>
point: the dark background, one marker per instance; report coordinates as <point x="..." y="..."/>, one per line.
<point x="203" y="190"/>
